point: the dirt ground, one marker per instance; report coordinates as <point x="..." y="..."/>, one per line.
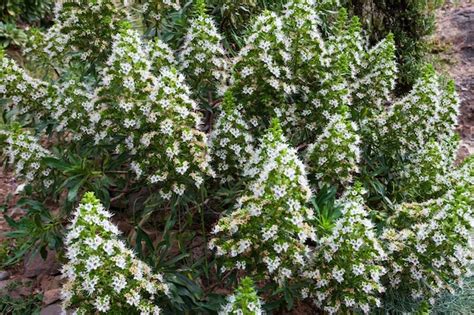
<point x="455" y="36"/>
<point x="8" y="185"/>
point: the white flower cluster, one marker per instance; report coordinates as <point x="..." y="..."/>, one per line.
<point x="25" y="94"/>
<point x="244" y="301"/>
<point x="427" y="173"/>
<point x="154" y="115"/>
<point x="82" y="29"/>
<point x="128" y="67"/>
<point x="160" y="56"/>
<point x="413" y="120"/>
<point x="345" y="44"/>
<point x="447" y="112"/>
<point x="429" y="244"/>
<point x="230" y="141"/>
<point x="417" y="134"/>
<point x="259" y="75"/>
<point x="346" y="267"/>
<point x="26" y="154"/>
<point x="74" y="109"/>
<point x="202" y="58"/>
<point x="140" y="98"/>
<point x="374" y="84"/>
<point x="288" y="68"/>
<point x="268" y="230"/>
<point x="342" y="72"/>
<point x="103" y="275"/>
<point x="155" y="10"/>
<point x="49" y="47"/>
<point x="282" y="52"/>
<point x="68" y="105"/>
<point x="334" y="156"/>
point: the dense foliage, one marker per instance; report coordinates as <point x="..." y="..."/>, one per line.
<point x="411" y="21"/>
<point x="18" y="12"/>
<point x="24" y="10"/>
<point x="285" y="167"/>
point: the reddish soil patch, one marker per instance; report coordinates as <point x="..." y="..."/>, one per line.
<point x="8" y="185"/>
<point x="455" y="32"/>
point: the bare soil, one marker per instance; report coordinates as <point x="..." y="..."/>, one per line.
<point x="455" y="38"/>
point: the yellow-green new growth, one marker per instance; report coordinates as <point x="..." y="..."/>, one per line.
<point x="200" y="7"/>
<point x="244" y="301"/>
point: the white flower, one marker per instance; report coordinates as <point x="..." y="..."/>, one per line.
<point x="100" y="264"/>
<point x="102" y="304"/>
<point x="93" y="263"/>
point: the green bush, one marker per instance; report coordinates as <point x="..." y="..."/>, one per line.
<point x="29" y="11"/>
<point x="287" y="158"/>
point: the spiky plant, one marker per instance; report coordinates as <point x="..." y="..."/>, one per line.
<point x="266" y="232"/>
<point x="102" y="274"/>
<point x="244" y="301"/>
<point x="202" y="57"/>
<point x="231" y="143"/>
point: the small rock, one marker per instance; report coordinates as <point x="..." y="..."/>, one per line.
<point x="35" y="265"/>
<point x="51" y="296"/>
<point x="54" y="309"/>
<point x="46" y="282"/>
<point x="4" y="275"/>
<point x="466" y="149"/>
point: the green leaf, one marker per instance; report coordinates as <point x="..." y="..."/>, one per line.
<point x="12" y="223"/>
<point x="56" y="163"/>
<point x="72" y="193"/>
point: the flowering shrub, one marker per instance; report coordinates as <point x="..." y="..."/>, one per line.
<point x="67" y="105"/>
<point x="345" y="52"/>
<point x="280" y="55"/>
<point x="429" y="244"/>
<point x="230" y="142"/>
<point x="334" y="156"/>
<point x="258" y="75"/>
<point x="115" y="109"/>
<point x="26" y="154"/>
<point x="267" y="231"/>
<point x="82" y="31"/>
<point x="417" y="135"/>
<point x="26" y="94"/>
<point x="426" y="113"/>
<point x="244" y="301"/>
<point x="130" y="97"/>
<point x="347" y="265"/>
<point x="202" y="57"/>
<point x="141" y="108"/>
<point x="374" y="84"/>
<point x="102" y="274"/>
